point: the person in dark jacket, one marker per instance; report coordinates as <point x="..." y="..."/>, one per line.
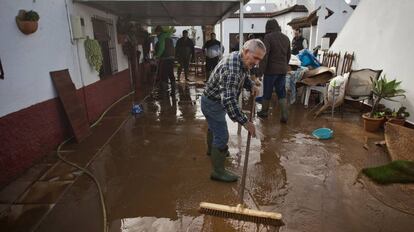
<point x="236" y="44"/>
<point x="274" y="66"/>
<point x="184" y="50"/>
<point x="298" y="43"/>
<point x="213" y="50"/>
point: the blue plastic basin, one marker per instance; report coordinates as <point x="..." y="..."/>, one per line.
<point x="323" y="133"/>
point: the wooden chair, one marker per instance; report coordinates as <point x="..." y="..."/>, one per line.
<point x="198" y="67"/>
<point x="347" y="63"/>
<point x="326" y="58"/>
<point x="331" y="59"/>
<point x="359" y="86"/>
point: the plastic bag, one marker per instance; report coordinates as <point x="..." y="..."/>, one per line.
<point x="308" y="59"/>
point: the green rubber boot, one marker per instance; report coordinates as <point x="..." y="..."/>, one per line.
<point x="219" y="173"/>
<point x="210" y="141"/>
<point x="283" y="110"/>
<point x="265" y="109"/>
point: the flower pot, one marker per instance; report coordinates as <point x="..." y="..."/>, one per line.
<point x="372" y="124"/>
<point x="398" y="121"/>
<point x="27" y="27"/>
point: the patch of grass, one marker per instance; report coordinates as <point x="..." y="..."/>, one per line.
<point x="399" y="171"/>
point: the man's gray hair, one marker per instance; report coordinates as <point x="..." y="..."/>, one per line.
<point x="254" y="44"/>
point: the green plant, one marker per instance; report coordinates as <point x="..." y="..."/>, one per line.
<point x="31" y="16"/>
<point x="378" y="114"/>
<point x="169" y="29"/>
<point x="401" y="113"/>
<point x="93" y="53"/>
<point x="384" y="89"/>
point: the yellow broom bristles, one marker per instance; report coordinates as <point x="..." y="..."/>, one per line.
<point x="239" y="209"/>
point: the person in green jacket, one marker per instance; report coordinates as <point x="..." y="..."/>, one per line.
<point x="164" y="51"/>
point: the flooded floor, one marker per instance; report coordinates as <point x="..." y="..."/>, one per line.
<point x="154" y="172"/>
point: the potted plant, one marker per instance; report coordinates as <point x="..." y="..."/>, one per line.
<point x="397" y="117"/>
<point x="27" y="21"/>
<point x="93" y="53"/>
<point x="382" y="89"/>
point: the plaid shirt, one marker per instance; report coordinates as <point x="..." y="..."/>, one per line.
<point x="225" y="84"/>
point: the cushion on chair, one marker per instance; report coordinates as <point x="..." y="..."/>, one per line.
<point x="360" y="83"/>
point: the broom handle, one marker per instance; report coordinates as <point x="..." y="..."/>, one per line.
<point x="246" y="158"/>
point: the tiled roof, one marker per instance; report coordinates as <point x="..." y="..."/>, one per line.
<point x="307" y="21"/>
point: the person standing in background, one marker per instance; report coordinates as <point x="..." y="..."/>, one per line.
<point x="236" y="45"/>
<point x="274" y="66"/>
<point x="298" y="43"/>
<point x="164" y="51"/>
<point x="213" y="50"/>
<point x="184" y="50"/>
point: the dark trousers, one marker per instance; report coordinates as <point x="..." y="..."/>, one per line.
<point x="210" y="65"/>
<point x="275" y="82"/>
<point x="166" y="72"/>
<point x="184" y="64"/>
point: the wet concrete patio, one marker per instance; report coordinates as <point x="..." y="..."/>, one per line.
<point x="154" y="172"/>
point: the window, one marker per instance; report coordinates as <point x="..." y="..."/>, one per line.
<point x="103" y="30"/>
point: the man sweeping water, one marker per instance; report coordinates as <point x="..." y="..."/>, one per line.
<point x="221" y="97"/>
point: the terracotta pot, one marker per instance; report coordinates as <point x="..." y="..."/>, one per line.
<point x="398" y="121"/>
<point x="372" y="124"/>
<point x="27" y="27"/>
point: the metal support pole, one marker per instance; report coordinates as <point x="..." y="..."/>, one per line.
<point x="221" y="32"/>
<point x="240" y="49"/>
<point x="241" y="16"/>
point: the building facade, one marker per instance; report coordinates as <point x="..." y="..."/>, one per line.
<point x="32" y="120"/>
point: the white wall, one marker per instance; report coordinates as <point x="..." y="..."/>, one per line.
<point x="379" y="33"/>
<point x="282" y="4"/>
<point x="89" y="75"/>
<point x="336" y="21"/>
<point x="27" y="60"/>
<point x="231" y="25"/>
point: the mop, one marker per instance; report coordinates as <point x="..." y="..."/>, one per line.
<point x="240" y="212"/>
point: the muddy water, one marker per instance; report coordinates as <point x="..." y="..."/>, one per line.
<point x="154" y="173"/>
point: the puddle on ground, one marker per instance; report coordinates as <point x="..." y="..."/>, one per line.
<point x="155" y="172"/>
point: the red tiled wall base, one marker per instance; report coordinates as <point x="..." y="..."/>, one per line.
<point x="100" y="95"/>
<point x="28" y="134"/>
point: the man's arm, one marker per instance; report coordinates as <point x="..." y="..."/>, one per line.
<point x="177" y="47"/>
<point x="263" y="63"/>
<point x="192" y="50"/>
<point x="289" y="51"/>
<point x="248" y="85"/>
<point x="161" y="45"/>
<point x="229" y="91"/>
